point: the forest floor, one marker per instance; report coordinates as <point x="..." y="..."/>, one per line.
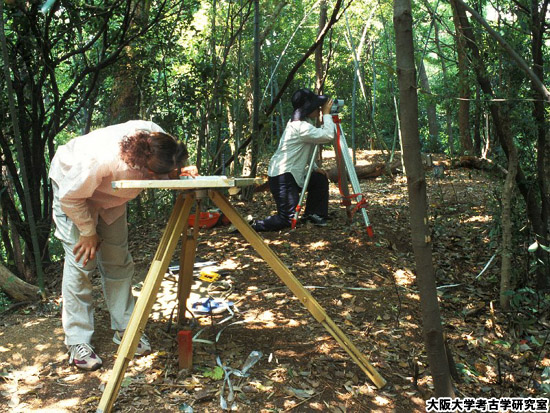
<point x="366" y="285"/>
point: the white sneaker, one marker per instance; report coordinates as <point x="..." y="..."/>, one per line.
<point x="143" y="348"/>
<point x="83" y="356"/>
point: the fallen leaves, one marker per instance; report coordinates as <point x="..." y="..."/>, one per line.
<point x="367" y="286"/>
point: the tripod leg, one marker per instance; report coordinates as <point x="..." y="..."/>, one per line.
<point x="343" y="183"/>
<point x="356" y="186"/>
<point x="187" y="261"/>
<point x="304" y="189"/>
<point x="296" y="287"/>
<point x="146" y="299"/>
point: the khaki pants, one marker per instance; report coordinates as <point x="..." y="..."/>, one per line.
<point x="115" y="265"/>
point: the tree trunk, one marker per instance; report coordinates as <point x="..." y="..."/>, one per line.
<point x="128" y="77"/>
<point x="27" y="201"/>
<point x="256" y="91"/>
<point x="536" y="82"/>
<point x="319" y="69"/>
<point x="252" y="154"/>
<point x="507" y="242"/>
<point x="538" y="24"/>
<point x="448" y="101"/>
<point x="477" y="123"/>
<point x="10" y="234"/>
<point x="16" y="288"/>
<point x="433" y="140"/>
<point x="463" y="85"/>
<point x="420" y="232"/>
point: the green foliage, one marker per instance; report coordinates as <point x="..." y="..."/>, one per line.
<point x="524" y="298"/>
<point x="150" y="204"/>
<point x="4" y="301"/>
<point x="528" y="306"/>
<point x="536" y="245"/>
<point x="215" y="374"/>
<point x="468" y="373"/>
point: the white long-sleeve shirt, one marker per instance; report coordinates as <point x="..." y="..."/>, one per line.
<point x="296" y="147"/>
<point x="84" y="168"/>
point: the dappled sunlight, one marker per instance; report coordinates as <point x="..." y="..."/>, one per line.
<point x="266" y="317"/>
<point x="481" y="219"/>
<point x="38" y="363"/>
<point x="325" y="263"/>
<point x="166" y="299"/>
<point x="381" y="401"/>
<point x="42" y="348"/>
<point x="273" y="319"/>
<point x="318" y="245"/>
<point x="230" y="264"/>
<point x="367" y="287"/>
<point x="70" y="404"/>
<point x="276" y="242"/>
<point x="404" y="277"/>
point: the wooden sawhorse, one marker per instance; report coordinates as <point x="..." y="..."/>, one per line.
<point x="178" y="225"/>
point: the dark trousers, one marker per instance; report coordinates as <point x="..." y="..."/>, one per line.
<point x="286" y="193"/>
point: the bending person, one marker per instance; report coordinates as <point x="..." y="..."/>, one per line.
<point x="288" y="166"/>
<point x="90" y="220"/>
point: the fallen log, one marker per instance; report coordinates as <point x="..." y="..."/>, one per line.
<point x="16" y="288"/>
<point x="483" y="164"/>
<point x="367" y="171"/>
<point x="363" y="172"/>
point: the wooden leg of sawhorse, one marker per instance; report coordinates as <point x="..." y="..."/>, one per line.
<point x="296" y="287"/>
<point x="187" y="261"/>
<point x="146" y="299"/>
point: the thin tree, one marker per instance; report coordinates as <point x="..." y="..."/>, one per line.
<point x="507" y="224"/>
<point x="319" y="68"/>
<point x="433" y="141"/>
<point x="29" y="213"/>
<point x="253" y="149"/>
<point x="535" y="80"/>
<point x="416" y="183"/>
<point x="463" y="85"/>
<point x="535" y="211"/>
<point x="53" y="77"/>
<point x="336" y="14"/>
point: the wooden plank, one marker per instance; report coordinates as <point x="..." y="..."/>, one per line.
<point x="199" y="182"/>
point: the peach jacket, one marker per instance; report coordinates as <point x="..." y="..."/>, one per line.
<point x="83" y="169"/>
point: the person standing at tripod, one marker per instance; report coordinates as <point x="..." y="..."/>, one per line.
<point x="288" y="166"/>
<point x="90" y="219"/>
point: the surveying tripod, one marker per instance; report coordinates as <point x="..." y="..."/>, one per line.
<point x="345" y="168"/>
<point x="178" y="227"/>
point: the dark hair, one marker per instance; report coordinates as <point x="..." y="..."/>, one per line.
<point x="304" y="102"/>
<point x="157" y="151"/>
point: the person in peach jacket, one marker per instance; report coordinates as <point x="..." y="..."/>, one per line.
<point x="90" y="219"/>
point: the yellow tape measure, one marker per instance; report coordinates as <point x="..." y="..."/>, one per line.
<point x="209" y="276"/>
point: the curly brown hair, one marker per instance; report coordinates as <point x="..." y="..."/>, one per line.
<point x="157" y="151"/>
